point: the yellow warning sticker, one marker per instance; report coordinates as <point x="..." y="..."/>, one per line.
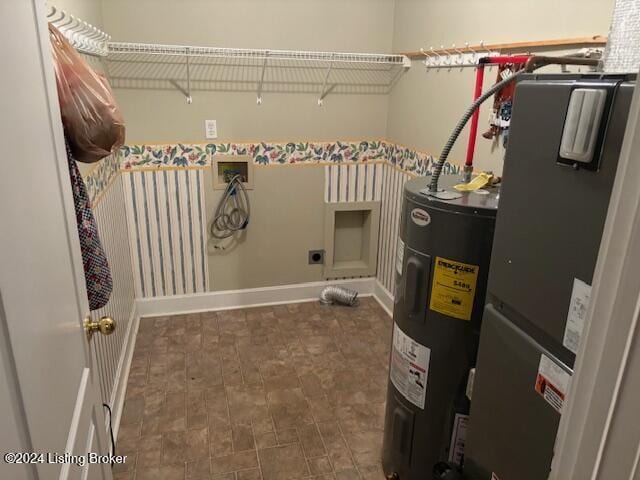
<point x="454" y="288"/>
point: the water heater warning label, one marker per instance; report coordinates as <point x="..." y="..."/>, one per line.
<point x="552" y="382"/>
<point x="454" y="288"/>
<point x="409" y="367"/>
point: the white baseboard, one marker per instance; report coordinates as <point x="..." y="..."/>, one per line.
<point x="250" y="297"/>
<point x="122" y="373"/>
<point x="384" y="297"/>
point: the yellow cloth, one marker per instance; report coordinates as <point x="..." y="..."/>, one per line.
<point x="477" y="183"/>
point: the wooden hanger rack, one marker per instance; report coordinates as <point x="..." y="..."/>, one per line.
<point x="524" y="47"/>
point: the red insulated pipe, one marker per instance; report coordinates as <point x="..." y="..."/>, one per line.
<point x="471" y="146"/>
<point x="477" y="91"/>
<point x="502" y="59"/>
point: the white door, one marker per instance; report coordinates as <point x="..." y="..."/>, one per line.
<point x="48" y="387"/>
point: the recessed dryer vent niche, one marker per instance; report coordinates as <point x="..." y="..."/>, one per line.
<point x="226" y="167"/>
<point x="351" y="239"/>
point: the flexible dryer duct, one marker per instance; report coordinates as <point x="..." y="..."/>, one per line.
<point x="338" y="295"/>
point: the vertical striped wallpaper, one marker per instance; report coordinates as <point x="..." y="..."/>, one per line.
<point x="390" y="210"/>
<point x="358" y="182"/>
<point x="165" y="213"/>
<point x="167" y="228"/>
<point x="381" y="182"/>
<point x="112" y="225"/>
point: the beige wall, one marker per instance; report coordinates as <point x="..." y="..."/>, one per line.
<point x="287" y="220"/>
<point x="164" y="116"/>
<point x="425" y="105"/>
<point x="88" y="10"/>
<point x="287" y="202"/>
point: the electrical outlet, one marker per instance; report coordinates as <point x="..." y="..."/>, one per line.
<point x="316" y="257"/>
<point x="211" y="129"/>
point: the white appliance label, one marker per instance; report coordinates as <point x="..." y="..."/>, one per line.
<point x="552" y="382"/>
<point x="458" y="438"/>
<point x="409" y="367"/>
<point x="399" y="256"/>
<point x="470" y="380"/>
<point x="580" y="296"/>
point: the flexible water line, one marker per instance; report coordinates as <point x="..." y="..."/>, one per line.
<point x="233" y="211"/>
<point x="437" y="169"/>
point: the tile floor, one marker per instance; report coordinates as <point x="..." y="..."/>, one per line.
<point x="272" y="393"/>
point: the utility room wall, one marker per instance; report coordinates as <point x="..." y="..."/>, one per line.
<point x="287" y="217"/>
<point x="162" y="116"/>
<point x="170" y="205"/>
<point x="170" y="202"/>
<point x="425" y="105"/>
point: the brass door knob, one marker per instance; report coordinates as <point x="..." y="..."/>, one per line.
<point x="106" y="326"/>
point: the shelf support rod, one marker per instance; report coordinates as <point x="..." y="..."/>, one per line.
<point x="264" y="68"/>
<point x="324" y="91"/>
<point x="189" y="98"/>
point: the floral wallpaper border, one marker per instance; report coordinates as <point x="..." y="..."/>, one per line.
<point x="195" y="155"/>
<point x="99" y="178"/>
<point x="178" y="155"/>
<point x="416" y="162"/>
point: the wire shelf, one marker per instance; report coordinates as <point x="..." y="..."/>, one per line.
<point x="187" y="68"/>
<point x="191" y="68"/>
<point x="117" y="48"/>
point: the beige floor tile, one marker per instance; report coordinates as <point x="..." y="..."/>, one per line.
<point x="234" y="462"/>
<point x="224" y="476"/>
<point x="196" y="444"/>
<point x="281" y="382"/>
<point x="198" y="469"/>
<point x="173" y="448"/>
<point x="283" y="463"/>
<point x="350" y="474"/>
<point x="312" y="444"/>
<point x="326" y="476"/>
<point x="149" y="451"/>
<point x="252" y="474"/>
<point x="171" y="472"/>
<point x="371" y="472"/>
<point x="262" y="425"/>
<point x="366" y="446"/>
<point x="286" y="436"/>
<point x="206" y="390"/>
<point x="133" y="410"/>
<point x="242" y="438"/>
<point x="123" y="475"/>
<point x="221" y="441"/>
<point x="246" y="403"/>
<point x="319" y="465"/>
<point x="289" y="408"/>
<point x="265" y="440"/>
